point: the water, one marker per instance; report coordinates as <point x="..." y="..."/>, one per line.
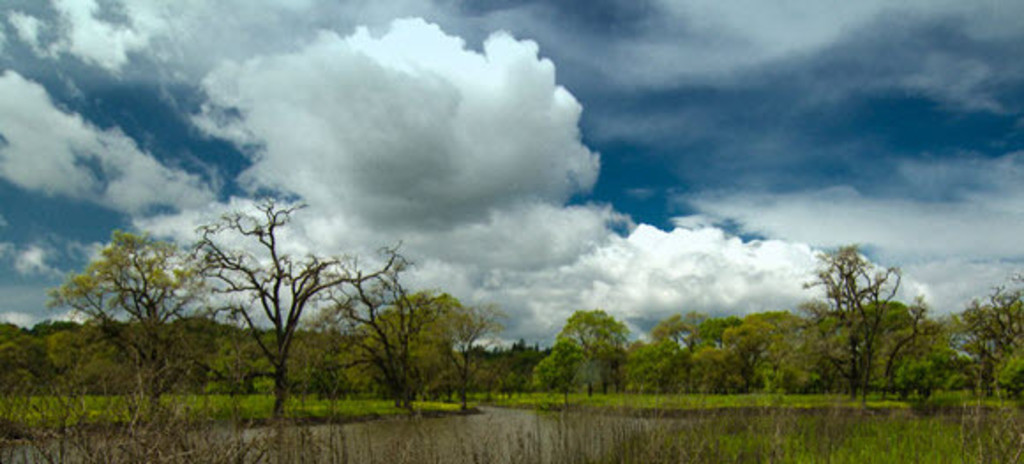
<point x="493" y="436"/>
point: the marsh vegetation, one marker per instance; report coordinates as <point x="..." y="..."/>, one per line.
<point x="595" y="435"/>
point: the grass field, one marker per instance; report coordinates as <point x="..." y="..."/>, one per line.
<point x="546" y="401"/>
<point x="54" y="411"/>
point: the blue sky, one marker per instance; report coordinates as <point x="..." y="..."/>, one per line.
<point x="645" y="157"/>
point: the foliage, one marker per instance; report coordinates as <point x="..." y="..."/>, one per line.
<point x="135" y="292"/>
<point x="657" y="366"/>
<point x="1011" y="376"/>
<point x="560" y="370"/>
<point x="992" y="330"/>
<point x="603" y="341"/>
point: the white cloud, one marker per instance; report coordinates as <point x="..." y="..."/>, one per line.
<point x="966" y="207"/>
<point x="640" y="278"/>
<point x="949" y="284"/>
<point x="899" y="227"/>
<point x="78" y="30"/>
<point x="32" y="260"/>
<point x="96" y="41"/>
<point x="716" y="39"/>
<point x="192" y="36"/>
<point x="408" y="128"/>
<point x="957" y="240"/>
<point x="17" y="318"/>
<point x="28" y="29"/>
<point x="58" y="153"/>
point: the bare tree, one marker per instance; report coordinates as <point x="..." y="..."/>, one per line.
<point x="261" y="284"/>
<point x="857" y="297"/>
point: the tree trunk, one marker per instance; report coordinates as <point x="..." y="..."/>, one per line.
<point x="280" y="390"/>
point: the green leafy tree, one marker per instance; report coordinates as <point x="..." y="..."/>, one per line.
<point x="22" y="359"/>
<point x="712" y="330"/>
<point x="134" y="291"/>
<point x="716" y="370"/>
<point x="657" y="366"/>
<point x="925" y="374"/>
<point x="851" y="319"/>
<point x="763" y="344"/>
<point x="992" y="330"/>
<point x="388" y="326"/>
<point x="463" y="329"/>
<point x="560" y="370"/>
<point x="749" y="343"/>
<point x="683" y="330"/>
<point x="603" y="341"/>
<point x="906" y="331"/>
<point x="1011" y="376"/>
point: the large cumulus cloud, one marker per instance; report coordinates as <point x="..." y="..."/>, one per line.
<point x="407" y="128"/>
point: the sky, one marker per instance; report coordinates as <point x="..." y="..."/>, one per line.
<point x="645" y="157"/>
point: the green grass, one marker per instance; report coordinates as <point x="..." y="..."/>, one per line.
<point x="258" y="407"/>
<point x="54" y="411"/>
<point x="836" y="438"/>
<point x="545" y="401"/>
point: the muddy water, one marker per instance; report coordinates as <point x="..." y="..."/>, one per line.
<point x="493" y="436"/>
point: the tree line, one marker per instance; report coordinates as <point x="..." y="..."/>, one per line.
<point x="240" y="312"/>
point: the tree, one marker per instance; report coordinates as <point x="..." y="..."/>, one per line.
<point x="716" y="370"/>
<point x="602" y="339"/>
<point x="992" y="330"/>
<point x="560" y="370"/>
<point x="1011" y="376"/>
<point x="762" y="343"/>
<point x="850" y="318"/>
<point x="463" y="328"/>
<point x="386" y="324"/>
<point x="134" y="291"/>
<point x="657" y="366"/>
<point x="260" y="283"/>
<point x="713" y="329"/>
<point x="683" y="330"/>
<point x="749" y="343"/>
<point x="903" y="326"/>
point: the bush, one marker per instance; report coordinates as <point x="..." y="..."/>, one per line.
<point x="1011" y="376"/>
